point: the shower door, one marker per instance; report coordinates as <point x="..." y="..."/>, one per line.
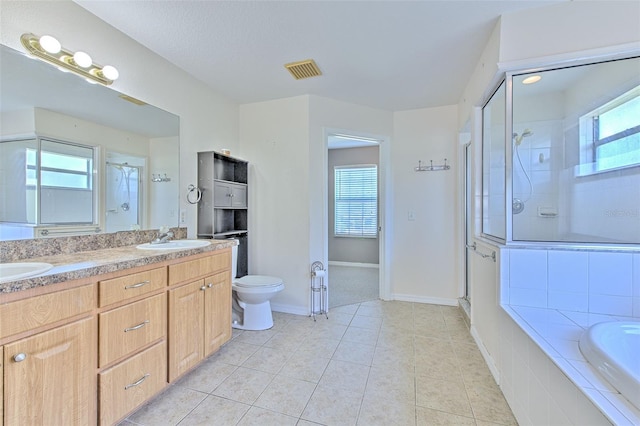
<point x="468" y="217"/>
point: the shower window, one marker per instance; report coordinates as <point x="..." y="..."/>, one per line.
<point x="615" y="133"/>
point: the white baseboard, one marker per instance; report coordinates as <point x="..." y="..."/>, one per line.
<point x="485" y="354"/>
<point x="420" y="299"/>
<point x="354" y="264"/>
<point x="290" y="309"/>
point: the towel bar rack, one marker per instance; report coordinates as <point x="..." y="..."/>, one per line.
<point x="474" y="247"/>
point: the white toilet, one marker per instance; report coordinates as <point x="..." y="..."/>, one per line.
<point x="251" y="295"/>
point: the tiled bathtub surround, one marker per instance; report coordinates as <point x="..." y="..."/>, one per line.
<point x="598" y="282"/>
<point x="11" y="251"/>
<point x="553" y="296"/>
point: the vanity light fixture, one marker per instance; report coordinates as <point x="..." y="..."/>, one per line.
<point x="532" y="79"/>
<point x="50" y="50"/>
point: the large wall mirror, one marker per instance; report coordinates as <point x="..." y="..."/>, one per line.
<point x="79" y="158"/>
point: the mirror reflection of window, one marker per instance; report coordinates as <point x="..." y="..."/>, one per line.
<point x="66" y="183"/>
<point x="17" y="182"/>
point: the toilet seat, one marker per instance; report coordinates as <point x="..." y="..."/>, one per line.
<point x="255" y="281"/>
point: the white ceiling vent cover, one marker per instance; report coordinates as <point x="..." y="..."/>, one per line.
<point x="303" y="69"/>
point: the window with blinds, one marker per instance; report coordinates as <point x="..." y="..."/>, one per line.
<point x="356" y="201"/>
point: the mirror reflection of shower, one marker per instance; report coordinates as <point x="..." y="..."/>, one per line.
<point x="517" y="205"/>
<point x="123" y="189"/>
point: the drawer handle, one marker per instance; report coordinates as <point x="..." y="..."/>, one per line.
<point x="139" y="382"/>
<point x="137" y="327"/>
<point x="138" y="285"/>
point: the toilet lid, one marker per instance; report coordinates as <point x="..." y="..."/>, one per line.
<point x="258" y="281"/>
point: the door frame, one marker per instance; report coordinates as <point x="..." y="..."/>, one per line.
<point x="384" y="199"/>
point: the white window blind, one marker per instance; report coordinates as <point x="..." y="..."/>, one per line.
<point x="356" y="201"/>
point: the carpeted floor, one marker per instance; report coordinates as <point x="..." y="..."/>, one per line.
<point x="352" y="284"/>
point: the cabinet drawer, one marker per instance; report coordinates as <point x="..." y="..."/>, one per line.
<point x="198" y="268"/>
<point x="127" y="385"/>
<point x="125" y="329"/>
<point x="34" y="312"/>
<point x="118" y="289"/>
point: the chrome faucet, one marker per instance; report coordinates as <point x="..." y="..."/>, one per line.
<point x="163" y="237"/>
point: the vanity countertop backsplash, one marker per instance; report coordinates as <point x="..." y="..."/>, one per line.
<point x="89" y="255"/>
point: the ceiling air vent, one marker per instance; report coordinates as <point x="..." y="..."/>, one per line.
<point x="303" y="69"/>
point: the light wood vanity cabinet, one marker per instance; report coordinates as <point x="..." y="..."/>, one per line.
<point x="199" y="311"/>
<point x="93" y="353"/>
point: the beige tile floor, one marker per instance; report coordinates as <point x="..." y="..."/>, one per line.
<point x="373" y="363"/>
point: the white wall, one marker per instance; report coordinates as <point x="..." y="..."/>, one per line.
<point x="207" y="120"/>
<point x="275" y="140"/>
<point x="425" y="249"/>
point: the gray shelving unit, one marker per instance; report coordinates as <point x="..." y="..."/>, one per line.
<point x="223" y="209"/>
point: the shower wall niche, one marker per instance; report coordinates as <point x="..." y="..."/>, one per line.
<point x="561" y="155"/>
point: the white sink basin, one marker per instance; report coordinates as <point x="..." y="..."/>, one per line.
<point x="18" y="271"/>
<point x="175" y="245"/>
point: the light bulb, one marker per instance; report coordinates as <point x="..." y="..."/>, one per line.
<point x="50" y="44"/>
<point x="82" y="59"/>
<point x="110" y="72"/>
<point x="532" y="79"/>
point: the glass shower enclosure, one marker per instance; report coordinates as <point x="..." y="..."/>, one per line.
<point x="561" y="155"/>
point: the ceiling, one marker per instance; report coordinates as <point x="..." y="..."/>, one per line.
<point x="391" y="55"/>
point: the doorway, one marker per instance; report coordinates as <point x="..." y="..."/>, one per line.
<point x="354" y="225"/>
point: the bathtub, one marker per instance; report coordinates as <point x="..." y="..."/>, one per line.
<point x="613" y="348"/>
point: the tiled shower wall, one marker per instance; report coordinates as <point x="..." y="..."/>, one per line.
<point x="602" y="282"/>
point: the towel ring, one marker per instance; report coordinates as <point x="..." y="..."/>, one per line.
<point x="190" y="190"/>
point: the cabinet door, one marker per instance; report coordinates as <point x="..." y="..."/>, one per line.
<point x="186" y="308"/>
<point x="238" y="196"/>
<point x="217" y="311"/>
<point x="50" y="377"/>
<point x="221" y="194"/>
<point x="229" y="194"/>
